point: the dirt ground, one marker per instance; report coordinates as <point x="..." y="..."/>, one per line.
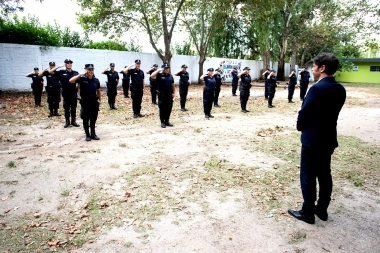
<point x="51" y="174"/>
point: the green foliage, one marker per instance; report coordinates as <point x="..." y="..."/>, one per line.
<point x="10" y="6"/>
<point x="183" y="49"/>
<point x="114" y="45"/>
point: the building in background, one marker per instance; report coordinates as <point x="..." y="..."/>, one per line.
<point x="365" y="70"/>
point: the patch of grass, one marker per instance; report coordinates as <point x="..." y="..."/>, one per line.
<point x="128" y="244"/>
<point x="122" y="145"/>
<point x="11" y="164"/>
<point x="115" y="166"/>
<point x="355" y="101"/>
<point x="297" y="236"/>
<point x="197" y="130"/>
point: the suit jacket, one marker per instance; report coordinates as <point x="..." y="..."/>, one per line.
<point x="319" y="113"/>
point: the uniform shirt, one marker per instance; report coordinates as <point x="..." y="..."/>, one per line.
<point x="125" y="76"/>
<point x="137" y="77"/>
<point x="272" y="81"/>
<point x="37" y="81"/>
<point x="88" y="87"/>
<point x="245" y="81"/>
<point x="293" y="78"/>
<point x="64" y="76"/>
<point x="210" y="83"/>
<point x="234" y="75"/>
<point x="305" y="75"/>
<point x="165" y="82"/>
<point x="218" y="80"/>
<point x="183" y="77"/>
<point x="112" y="77"/>
<point x="152" y="81"/>
<point x="52" y="83"/>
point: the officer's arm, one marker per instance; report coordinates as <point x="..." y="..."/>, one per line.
<point x="269" y="76"/>
<point x="42" y="72"/>
<point x="202" y="78"/>
<point x="148" y="71"/>
<point x="78" y="92"/>
<point x="99" y="95"/>
<point x="177" y="74"/>
<point x="241" y="73"/>
<point x="128" y="68"/>
<point x="55" y="68"/>
<point x="154" y="74"/>
<point x="265" y="72"/>
<point x="27" y="75"/>
<point x="173" y="90"/>
<point x="104" y="71"/>
<point x="75" y="78"/>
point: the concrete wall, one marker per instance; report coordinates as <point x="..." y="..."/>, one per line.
<point x="17" y="60"/>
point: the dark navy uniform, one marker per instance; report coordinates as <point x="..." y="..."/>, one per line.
<point x="69" y="94"/>
<point x="245" y="86"/>
<point x="271" y="89"/>
<point x="183" y="88"/>
<point x="53" y="90"/>
<point x="112" y="82"/>
<point x="89" y="103"/>
<point x="137" y="89"/>
<point x="37" y="87"/>
<point x="292" y="86"/>
<point x="153" y="87"/>
<point x="235" y="80"/>
<point x="218" y="80"/>
<point x="165" y="96"/>
<point x="266" y="84"/>
<point x="125" y="83"/>
<point x="304" y="83"/>
<point x="208" y="95"/>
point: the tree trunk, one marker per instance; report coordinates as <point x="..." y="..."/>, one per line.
<point x="201" y="61"/>
<point x="293" y="61"/>
<point x="266" y="60"/>
<point x="302" y="62"/>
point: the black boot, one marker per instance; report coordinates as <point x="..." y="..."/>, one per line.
<point x="113" y="107"/>
<point x="51" y="114"/>
<point x="74" y="123"/>
<point x="67" y="123"/>
<point x="110" y="106"/>
<point x="183" y="109"/>
<point x="93" y="134"/>
<point x="56" y="113"/>
<point x="163" y="125"/>
<point x="88" y="137"/>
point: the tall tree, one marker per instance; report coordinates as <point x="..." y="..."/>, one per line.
<point x="158" y="18"/>
<point x="11" y="6"/>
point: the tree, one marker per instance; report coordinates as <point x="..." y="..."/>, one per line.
<point x="158" y="19"/>
<point x="114" y="45"/>
<point x="183" y="49"/>
<point x="11" y="6"/>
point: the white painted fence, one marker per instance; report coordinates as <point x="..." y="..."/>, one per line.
<point x="17" y="60"/>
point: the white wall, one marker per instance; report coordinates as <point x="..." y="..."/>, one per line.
<point x="17" y="60"/>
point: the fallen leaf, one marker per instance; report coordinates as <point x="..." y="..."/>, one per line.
<point x="53" y="242"/>
<point x="4" y="198"/>
<point x="37" y="215"/>
<point x="127" y="194"/>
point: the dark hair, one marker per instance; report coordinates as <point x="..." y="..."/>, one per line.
<point x="330" y="61"/>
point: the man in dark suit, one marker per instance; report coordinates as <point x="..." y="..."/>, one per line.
<point x="317" y="121"/>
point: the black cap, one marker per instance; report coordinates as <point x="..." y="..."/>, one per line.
<point x="68" y="60"/>
<point x="184" y="66"/>
<point x="210" y="69"/>
<point x="35" y="68"/>
<point x="138" y="61"/>
<point x="125" y="66"/>
<point x="155" y="65"/>
<point x="235" y="68"/>
<point x="217" y="70"/>
<point x="165" y="66"/>
<point x="89" y="66"/>
<point x="52" y="63"/>
<point x="112" y="64"/>
<point x="246" y="68"/>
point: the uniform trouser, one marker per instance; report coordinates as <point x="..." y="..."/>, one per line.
<point x="271" y="92"/>
<point x="266" y="88"/>
<point x="153" y="92"/>
<point x="70" y="106"/>
<point x="291" y="88"/>
<point x="234" y="85"/>
<point x="208" y="97"/>
<point x="183" y="90"/>
<point x="216" y="95"/>
<point x="244" y="96"/>
<point x="53" y="99"/>
<point x="316" y="164"/>
<point x="303" y="89"/>
<point x="111" y="93"/>
<point x="165" y="103"/>
<point x="89" y="114"/>
<point x="125" y="85"/>
<point x="37" y="96"/>
<point x="136" y="95"/>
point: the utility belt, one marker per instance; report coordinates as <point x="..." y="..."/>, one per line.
<point x="184" y="84"/>
<point x="246" y="85"/>
<point x="208" y="89"/>
<point x="164" y="92"/>
<point x="110" y="83"/>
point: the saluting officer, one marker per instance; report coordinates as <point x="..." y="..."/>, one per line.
<point x="69" y="91"/>
<point x="125" y="83"/>
<point x="153" y="84"/>
<point x="235" y="80"/>
<point x="183" y="85"/>
<point x="218" y="80"/>
<point x="245" y="86"/>
<point x="90" y="98"/>
<point x="137" y="87"/>
<point x="271" y="87"/>
<point x="208" y="92"/>
<point x="304" y="82"/>
<point x="113" y="81"/>
<point x="37" y="86"/>
<point x="166" y="91"/>
<point x="292" y="85"/>
<point x="53" y="90"/>
<point x="266" y="83"/>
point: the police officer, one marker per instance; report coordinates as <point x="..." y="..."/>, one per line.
<point x="53" y="90"/>
<point x="137" y="87"/>
<point x="153" y="84"/>
<point x="245" y="86"/>
<point x="113" y="81"/>
<point x="292" y="85"/>
<point x="266" y="83"/>
<point x="37" y="86"/>
<point x="166" y="91"/>
<point x="90" y="98"/>
<point x="272" y="79"/>
<point x="218" y="80"/>
<point x="183" y="85"/>
<point x="304" y="82"/>
<point x="208" y="92"/>
<point x="235" y="80"/>
<point x="125" y="83"/>
<point x="69" y="91"/>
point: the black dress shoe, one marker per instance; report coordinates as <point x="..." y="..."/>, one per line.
<point x="183" y="110"/>
<point x="270" y="106"/>
<point x="216" y="105"/>
<point x="168" y="124"/>
<point x="74" y="124"/>
<point x="300" y="215"/>
<point x="291" y="102"/>
<point x="323" y="215"/>
<point x="135" y="115"/>
<point x="245" y="111"/>
<point x="141" y="115"/>
<point x="211" y="116"/>
<point x="207" y="117"/>
<point x="234" y="95"/>
<point x="50" y="115"/>
<point x="163" y="125"/>
<point x="88" y="138"/>
<point x="95" y="137"/>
